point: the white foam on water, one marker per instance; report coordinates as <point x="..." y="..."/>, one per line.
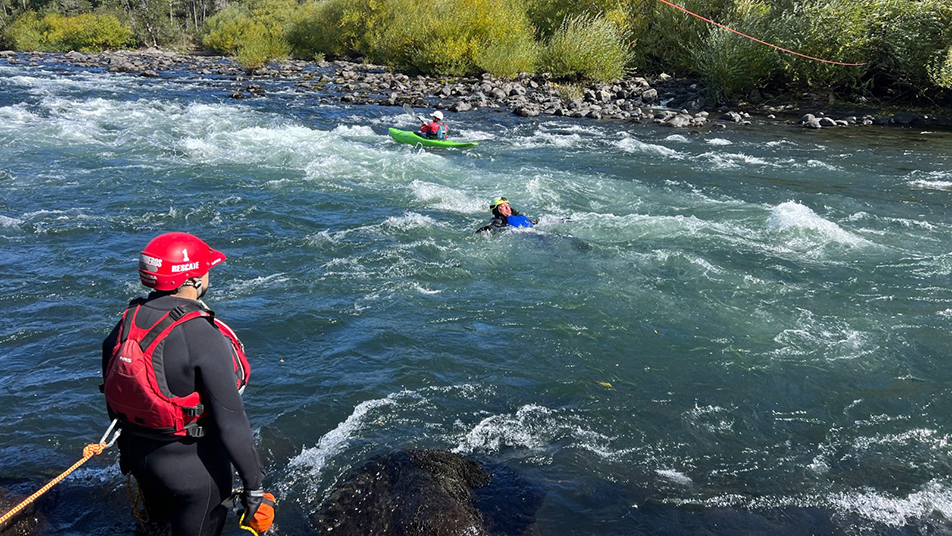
<point x="411" y="220"/>
<point x="246" y="286"/>
<point x="719" y="141"/>
<point x="924" y="436"/>
<point x="538" y="431"/>
<point x="313" y="460"/>
<point x="832" y="340"/>
<point x="791" y="216"/>
<point x="675" y="476"/>
<point x="447" y="198"/>
<point x="546" y="139"/>
<point x="15" y="117"/>
<point x="896" y="511"/>
<point x="947" y="313"/>
<point x="676" y="138"/>
<point x="361" y="131"/>
<point x="735" y="160"/>
<point x="779" y="143"/>
<point x="633" y="145"/>
<point x="930" y="185"/>
<point x="8" y="222"/>
<point x="821" y="165"/>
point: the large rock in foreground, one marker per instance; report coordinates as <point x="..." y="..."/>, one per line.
<point x="432" y="493"/>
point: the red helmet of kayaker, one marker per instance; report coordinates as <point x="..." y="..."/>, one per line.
<point x="171" y="259"/>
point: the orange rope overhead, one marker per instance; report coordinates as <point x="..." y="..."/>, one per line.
<point x="719" y="25"/>
<point x="90" y="450"/>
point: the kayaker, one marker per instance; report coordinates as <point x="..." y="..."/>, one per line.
<point x="172" y="376"/>
<point x="436" y="129"/>
<point x="504" y="216"/>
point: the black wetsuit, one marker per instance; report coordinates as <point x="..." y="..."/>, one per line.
<point x="185" y="480"/>
<point x="498" y="222"/>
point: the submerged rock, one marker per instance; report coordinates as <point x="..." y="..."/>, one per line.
<point x="429" y="493"/>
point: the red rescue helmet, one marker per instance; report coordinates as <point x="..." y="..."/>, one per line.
<point x="173" y="258"/>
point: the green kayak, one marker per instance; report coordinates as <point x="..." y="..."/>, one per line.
<point x="405" y="136"/>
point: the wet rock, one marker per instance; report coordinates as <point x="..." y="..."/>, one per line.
<point x="650" y="95"/>
<point x="461" y="106"/>
<point x="732" y="117"/>
<point x="679" y="121"/>
<point x="527" y="111"/>
<point x="594" y="114"/>
<point x="25" y="523"/>
<point x="432" y="493"/>
<point x="150" y="74"/>
<point x="906" y="118"/>
<point x="810" y="121"/>
<point x="8" y="54"/>
<point x="826" y="122"/>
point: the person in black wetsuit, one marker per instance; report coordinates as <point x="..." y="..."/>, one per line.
<point x="185" y="479"/>
<point x="504" y="216"/>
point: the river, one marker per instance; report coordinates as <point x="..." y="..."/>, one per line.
<point x="735" y="331"/>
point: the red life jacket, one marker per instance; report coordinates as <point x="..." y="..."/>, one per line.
<point x="135" y="385"/>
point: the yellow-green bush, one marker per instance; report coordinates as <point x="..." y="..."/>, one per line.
<point x="586" y="47"/>
<point x="57" y="33"/>
<point x="258" y="46"/>
<point x="26" y="32"/>
<point x="450" y="36"/>
<point x="250" y="19"/>
<point x="508" y="59"/>
<point x="331" y="27"/>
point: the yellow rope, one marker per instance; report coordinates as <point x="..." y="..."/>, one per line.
<point x="90" y="450"/>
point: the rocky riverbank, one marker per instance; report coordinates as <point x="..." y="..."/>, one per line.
<point x="662" y="99"/>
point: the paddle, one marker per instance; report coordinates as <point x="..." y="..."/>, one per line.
<point x="411" y="113"/>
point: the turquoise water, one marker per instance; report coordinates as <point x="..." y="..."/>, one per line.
<point x="739" y="331"/>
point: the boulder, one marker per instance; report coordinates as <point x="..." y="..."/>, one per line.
<point x="906" y="118"/>
<point x="150" y="74"/>
<point x="8" y="54"/>
<point x="432" y="493"/>
<point x="461" y="106"/>
<point x="650" y="95"/>
<point x="732" y="117"/>
<point x="810" y="121"/>
<point x="527" y="111"/>
<point x="827" y="122"/>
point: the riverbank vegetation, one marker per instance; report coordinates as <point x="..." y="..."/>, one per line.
<point x="906" y="45"/>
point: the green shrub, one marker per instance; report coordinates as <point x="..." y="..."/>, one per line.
<point x="85" y="33"/>
<point x="25" y="32"/>
<point x="668" y="38"/>
<point x="906" y="37"/>
<point x="449" y="36"/>
<point x="586" y="47"/>
<point x="508" y="59"/>
<point x="260" y="45"/>
<point x="732" y="66"/>
<point x="260" y="20"/>
<point x="331" y="27"/>
<point x="56" y="33"/>
<point x="547" y="16"/>
<point x="940" y="72"/>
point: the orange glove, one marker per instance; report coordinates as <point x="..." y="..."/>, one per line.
<point x="259" y="507"/>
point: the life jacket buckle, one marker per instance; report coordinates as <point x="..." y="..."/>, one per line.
<point x="194" y="411"/>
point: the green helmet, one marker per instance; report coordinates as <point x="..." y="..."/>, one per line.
<point x="496" y="202"/>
